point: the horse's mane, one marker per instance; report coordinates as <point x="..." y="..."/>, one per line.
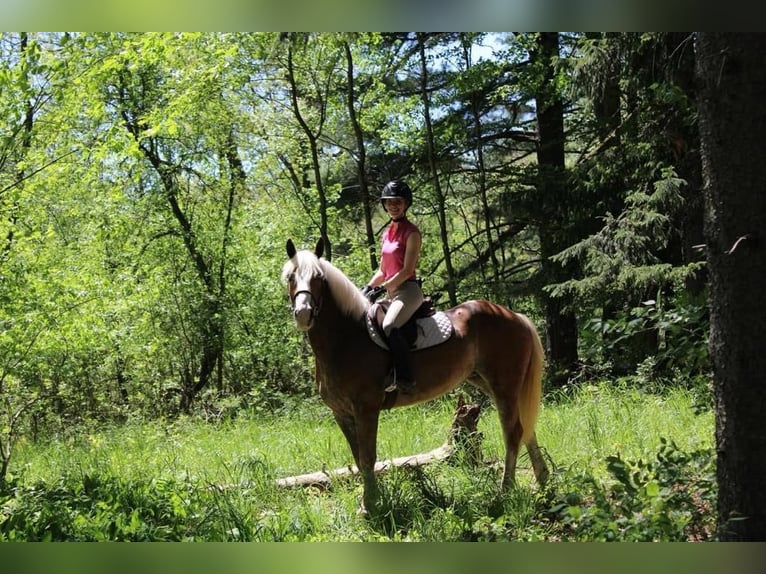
<point x="347" y="296"/>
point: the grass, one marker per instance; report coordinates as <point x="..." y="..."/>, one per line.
<point x="603" y="420"/>
<point x="192" y="480"/>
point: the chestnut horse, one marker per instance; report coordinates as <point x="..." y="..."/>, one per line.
<point x="493" y="348"/>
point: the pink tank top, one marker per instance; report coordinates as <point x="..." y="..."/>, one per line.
<point x="394" y="246"/>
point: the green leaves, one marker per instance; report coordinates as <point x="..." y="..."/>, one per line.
<point x="669" y="499"/>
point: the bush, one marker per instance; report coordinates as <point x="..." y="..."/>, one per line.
<point x="95" y="508"/>
<point x="670" y="499"/>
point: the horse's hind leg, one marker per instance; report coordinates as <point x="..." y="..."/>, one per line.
<point x="538" y="462"/>
<point x="509" y="472"/>
<point x="512" y="431"/>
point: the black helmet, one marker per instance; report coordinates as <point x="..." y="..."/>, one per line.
<point x="396" y="188"/>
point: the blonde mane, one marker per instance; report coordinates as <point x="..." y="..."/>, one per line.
<point x="347" y="296"/>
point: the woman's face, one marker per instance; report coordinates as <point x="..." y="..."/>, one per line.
<point x="395" y="206"/>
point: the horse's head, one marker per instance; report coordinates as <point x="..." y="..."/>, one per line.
<point x="312" y="281"/>
<point x="303" y="276"/>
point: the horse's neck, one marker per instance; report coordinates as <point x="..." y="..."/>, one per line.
<point x="334" y="328"/>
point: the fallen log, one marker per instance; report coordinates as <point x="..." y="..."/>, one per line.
<point x="463" y="443"/>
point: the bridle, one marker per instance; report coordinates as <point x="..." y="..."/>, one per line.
<point x="316" y="303"/>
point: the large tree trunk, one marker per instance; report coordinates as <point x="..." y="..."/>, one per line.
<point x="561" y="323"/>
<point x="732" y="75"/>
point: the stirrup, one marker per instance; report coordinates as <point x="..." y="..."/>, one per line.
<point x="392" y="385"/>
<point x="407" y="389"/>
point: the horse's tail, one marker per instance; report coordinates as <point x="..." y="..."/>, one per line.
<point x="532" y="390"/>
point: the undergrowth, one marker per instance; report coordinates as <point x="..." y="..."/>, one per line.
<point x="188" y="483"/>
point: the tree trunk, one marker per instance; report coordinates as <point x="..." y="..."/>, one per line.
<point x="561" y="324"/>
<point x="441" y="199"/>
<point x="26" y="143"/>
<point x="210" y="320"/>
<point x="312" y="137"/>
<point x="361" y="158"/>
<point x="685" y="146"/>
<point x="463" y="445"/>
<point x="475" y="101"/>
<point x="731" y="70"/>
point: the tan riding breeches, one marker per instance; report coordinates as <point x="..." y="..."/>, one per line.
<point x="404" y="302"/>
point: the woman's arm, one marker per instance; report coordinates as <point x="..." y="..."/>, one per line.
<point x="377" y="278"/>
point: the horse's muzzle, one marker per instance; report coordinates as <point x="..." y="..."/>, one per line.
<point x="303" y="311"/>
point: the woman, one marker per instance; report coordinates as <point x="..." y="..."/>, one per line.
<point x="399" y="256"/>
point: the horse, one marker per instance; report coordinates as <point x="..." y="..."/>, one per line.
<point x="493" y="348"/>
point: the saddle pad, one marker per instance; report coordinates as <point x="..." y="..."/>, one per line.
<point x="431" y="330"/>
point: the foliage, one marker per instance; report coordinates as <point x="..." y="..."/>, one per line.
<point x="214" y="479"/>
<point x="669" y="499"/>
<point x="94" y="508"/>
<point x="148" y="182"/>
<point x="632" y="208"/>
<point x="621" y="260"/>
<point x="680" y="325"/>
<point x="633" y="304"/>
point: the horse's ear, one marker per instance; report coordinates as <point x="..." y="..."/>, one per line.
<point x="319" y="249"/>
<point x="291" y="251"/>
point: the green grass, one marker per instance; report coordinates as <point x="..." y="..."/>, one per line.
<point x="192" y="480"/>
<point x="606" y="419"/>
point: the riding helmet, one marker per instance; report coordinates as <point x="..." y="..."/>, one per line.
<point x="396" y="188"/>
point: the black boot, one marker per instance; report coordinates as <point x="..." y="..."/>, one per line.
<point x="403" y="377"/>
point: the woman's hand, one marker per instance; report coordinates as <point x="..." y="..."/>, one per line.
<point x="372" y="293"/>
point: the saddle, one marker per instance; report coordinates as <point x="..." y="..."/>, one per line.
<point x="426" y="327"/>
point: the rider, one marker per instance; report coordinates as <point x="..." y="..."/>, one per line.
<point x="400" y="252"/>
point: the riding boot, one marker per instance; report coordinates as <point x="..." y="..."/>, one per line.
<point x="403" y="376"/>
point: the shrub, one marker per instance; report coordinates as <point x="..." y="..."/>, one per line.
<point x="669" y="499"/>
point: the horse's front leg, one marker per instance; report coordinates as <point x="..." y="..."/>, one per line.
<point x="347" y="426"/>
<point x="366" y="419"/>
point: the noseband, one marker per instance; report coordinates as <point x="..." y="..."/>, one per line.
<point x="315" y="304"/>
